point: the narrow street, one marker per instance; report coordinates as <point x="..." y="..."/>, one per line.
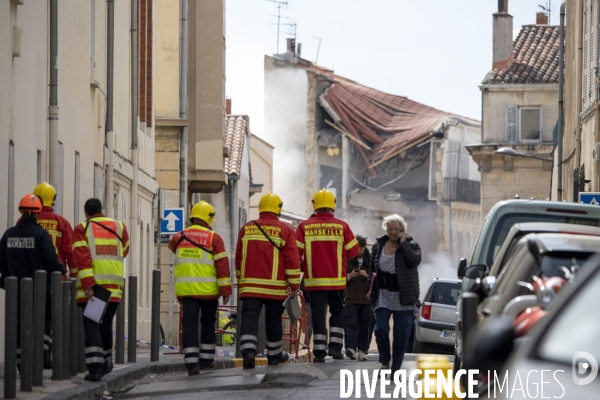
<point x="298" y="381"/>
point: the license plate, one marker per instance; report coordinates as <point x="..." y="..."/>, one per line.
<point x="448" y="334"/>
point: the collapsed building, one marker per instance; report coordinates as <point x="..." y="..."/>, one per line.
<point x="379" y="153"/>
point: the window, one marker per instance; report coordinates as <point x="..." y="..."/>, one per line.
<point x="11" y="185"/>
<point x="530" y="124"/>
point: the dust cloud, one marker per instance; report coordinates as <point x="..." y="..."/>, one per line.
<point x="434" y="265"/>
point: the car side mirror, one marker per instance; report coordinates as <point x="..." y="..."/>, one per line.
<point x="476" y="271"/>
<point x="488" y="283"/>
<point x="491" y="345"/>
<point x="462" y="265"/>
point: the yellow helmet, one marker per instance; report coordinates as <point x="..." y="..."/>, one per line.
<point x="324" y="199"/>
<point x="204" y="211"/>
<point x="270" y="202"/>
<point x="46" y="193"/>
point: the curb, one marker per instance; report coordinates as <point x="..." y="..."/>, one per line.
<point x="121" y="378"/>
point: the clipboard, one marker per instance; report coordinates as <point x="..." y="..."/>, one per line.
<point x="96" y="306"/>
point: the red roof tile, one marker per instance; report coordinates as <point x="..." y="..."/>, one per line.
<point x="236" y="130"/>
<point x="388" y="123"/>
<point x="534" y="58"/>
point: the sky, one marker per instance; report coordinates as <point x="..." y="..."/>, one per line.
<point x="435" y="52"/>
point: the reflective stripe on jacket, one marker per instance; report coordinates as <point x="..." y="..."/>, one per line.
<point x="201" y="265"/>
<point x="263" y="270"/>
<point x="326" y="243"/>
<point x="101" y="245"/>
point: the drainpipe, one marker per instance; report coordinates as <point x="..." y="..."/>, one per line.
<point x="561" y="80"/>
<point x="134" y="219"/>
<point x="183" y="38"/>
<point x="110" y="135"/>
<point x="53" y="101"/>
<point x="233" y="180"/>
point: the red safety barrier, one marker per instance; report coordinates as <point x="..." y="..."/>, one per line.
<point x="293" y="336"/>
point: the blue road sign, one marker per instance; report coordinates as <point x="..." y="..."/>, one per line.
<point x="589" y="198"/>
<point x="172" y="221"/>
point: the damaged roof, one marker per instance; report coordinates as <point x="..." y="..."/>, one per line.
<point x="236" y="131"/>
<point x="386" y="124"/>
<point x="534" y="59"/>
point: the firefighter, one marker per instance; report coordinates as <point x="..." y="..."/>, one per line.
<point x="57" y="226"/>
<point x="266" y="266"/>
<point x="326" y="243"/>
<point x="201" y="277"/>
<point x="24" y="249"/>
<point x="100" y="247"/>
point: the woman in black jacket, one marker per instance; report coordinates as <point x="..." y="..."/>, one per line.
<point x="395" y="291"/>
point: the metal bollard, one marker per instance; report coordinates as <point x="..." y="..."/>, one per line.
<point x="57" y="326"/>
<point x="132" y="319"/>
<point x="469" y="319"/>
<point x="154" y="334"/>
<point x="11" y="286"/>
<point x="39" y="325"/>
<point x="74" y="328"/>
<point x="120" y="330"/>
<point x="66" y="339"/>
<point x="261" y="340"/>
<point x="80" y="341"/>
<point x="26" y="322"/>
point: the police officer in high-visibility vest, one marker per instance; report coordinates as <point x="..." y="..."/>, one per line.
<point x="326" y="243"/>
<point x="100" y="247"/>
<point x="57" y="226"/>
<point x="201" y="277"/>
<point x="267" y="264"/>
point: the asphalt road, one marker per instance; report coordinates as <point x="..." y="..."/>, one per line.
<point x="297" y="381"/>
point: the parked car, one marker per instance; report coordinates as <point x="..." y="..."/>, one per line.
<point x="435" y="324"/>
<point x="544" y="254"/>
<point x="564" y="345"/>
<point x="494" y="231"/>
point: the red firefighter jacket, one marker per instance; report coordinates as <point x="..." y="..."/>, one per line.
<point x="92" y="268"/>
<point x="326" y="243"/>
<point x="211" y="241"/>
<point x="261" y="269"/>
<point x="61" y="233"/>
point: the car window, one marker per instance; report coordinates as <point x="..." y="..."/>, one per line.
<point x="552" y="263"/>
<point x="516" y="269"/>
<point x="444" y="293"/>
<point x="561" y="341"/>
<point x="507" y="221"/>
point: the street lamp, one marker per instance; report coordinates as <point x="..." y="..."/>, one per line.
<point x="509" y="151"/>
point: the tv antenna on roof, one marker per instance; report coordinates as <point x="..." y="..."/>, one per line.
<point x="279" y="4"/>
<point x="318" y="48"/>
<point x="548" y="9"/>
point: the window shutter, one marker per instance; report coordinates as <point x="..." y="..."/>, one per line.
<point x="511" y="124"/>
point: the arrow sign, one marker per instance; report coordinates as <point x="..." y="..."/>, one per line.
<point x="171" y="218"/>
<point x="592" y="198"/>
<point x="172" y="221"/>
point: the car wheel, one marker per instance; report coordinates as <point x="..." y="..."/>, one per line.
<point x="418" y="347"/>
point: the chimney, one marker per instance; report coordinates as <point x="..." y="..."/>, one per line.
<point x="291" y="46"/>
<point x="541" y="18"/>
<point x="299" y="49"/>
<point x="228" y="106"/>
<point x="503" y="39"/>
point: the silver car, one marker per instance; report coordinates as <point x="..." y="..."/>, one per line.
<point x="436" y="321"/>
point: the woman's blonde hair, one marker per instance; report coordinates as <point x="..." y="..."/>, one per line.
<point x="392" y="218"/>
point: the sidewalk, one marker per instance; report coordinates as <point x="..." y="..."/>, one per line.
<point x="123" y="374"/>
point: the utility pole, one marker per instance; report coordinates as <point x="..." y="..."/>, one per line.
<point x="279" y="4"/>
<point x="318" y="48"/>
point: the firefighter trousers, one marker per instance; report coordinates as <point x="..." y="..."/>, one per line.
<point x="251" y="308"/>
<point x="319" y="300"/>
<point x="99" y="340"/>
<point x="199" y="351"/>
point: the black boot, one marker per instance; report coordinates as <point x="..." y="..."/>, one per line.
<point x="93" y="376"/>
<point x="249" y="360"/>
<point x="283" y="357"/>
<point x="108" y="367"/>
<point x="195" y="370"/>
<point x="47" y="360"/>
<point x="336" y="354"/>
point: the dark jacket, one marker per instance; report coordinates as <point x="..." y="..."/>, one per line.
<point x="408" y="258"/>
<point x="356" y="288"/>
<point x="26" y="248"/>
